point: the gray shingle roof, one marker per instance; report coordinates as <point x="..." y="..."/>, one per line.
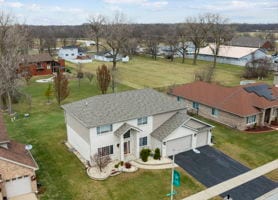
<point x="123" y="106"/>
<point x="124" y="128"/>
<point x="174" y="122"/>
<point x="244" y="41"/>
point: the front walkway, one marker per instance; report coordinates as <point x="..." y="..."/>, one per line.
<point x="234" y="182"/>
<point x="164" y="163"/>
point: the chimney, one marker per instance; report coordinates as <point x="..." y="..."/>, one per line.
<point x="275" y="80"/>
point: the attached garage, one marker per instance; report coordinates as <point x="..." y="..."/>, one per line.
<point x="178" y="145"/>
<point x="18" y="186"/>
<point x="202" y="139"/>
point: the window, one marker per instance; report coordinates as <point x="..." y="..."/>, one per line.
<point x="127" y="134"/>
<point x="104" y="128"/>
<point x="143" y="141"/>
<point x="105" y="151"/>
<point x="67" y="54"/>
<point x="142" y="120"/>
<point x="251" y="119"/>
<point x="214" y="112"/>
<point x="195" y="105"/>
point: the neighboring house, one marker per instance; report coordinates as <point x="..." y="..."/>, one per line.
<point x="121" y="124"/>
<point x="71" y="52"/>
<point x="41" y="64"/>
<point x="240" y="107"/>
<point x="255" y="42"/>
<point x="107" y="56"/>
<point x="17" y="167"/>
<point x="87" y="43"/>
<point x="232" y="55"/>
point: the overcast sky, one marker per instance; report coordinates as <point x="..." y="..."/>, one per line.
<point x="58" y="12"/>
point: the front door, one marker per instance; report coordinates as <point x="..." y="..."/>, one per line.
<point x="267" y="115"/>
<point x="127" y="147"/>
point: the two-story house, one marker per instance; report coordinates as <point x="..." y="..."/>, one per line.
<point x="121" y="124"/>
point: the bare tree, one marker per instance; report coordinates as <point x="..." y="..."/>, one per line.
<point x="26" y="73"/>
<point x="171" y="40"/>
<point x="103" y="78"/>
<point x="219" y="32"/>
<point x="116" y="35"/>
<point x="96" y="24"/>
<point x="196" y="32"/>
<point x="61" y="88"/>
<point x="100" y="161"/>
<point x="12" y="41"/>
<point x="182" y="39"/>
<point x="153" y="35"/>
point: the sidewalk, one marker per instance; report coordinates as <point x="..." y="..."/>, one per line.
<point x="234" y="182"/>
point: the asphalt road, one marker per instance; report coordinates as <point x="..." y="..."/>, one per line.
<point x="211" y="167"/>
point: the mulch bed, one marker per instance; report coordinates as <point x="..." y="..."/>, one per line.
<point x="259" y="129"/>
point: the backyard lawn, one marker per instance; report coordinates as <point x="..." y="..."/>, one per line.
<point x="62" y="175"/>
<point x="143" y="72"/>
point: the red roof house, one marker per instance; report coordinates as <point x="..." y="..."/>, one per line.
<point x="240" y="106"/>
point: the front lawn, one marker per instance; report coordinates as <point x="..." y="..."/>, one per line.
<point x="61" y="174"/>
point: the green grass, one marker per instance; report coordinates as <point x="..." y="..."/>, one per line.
<point x="62" y="175"/>
<point x="143" y="72"/>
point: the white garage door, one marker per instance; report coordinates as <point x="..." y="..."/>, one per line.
<point x="18" y="186"/>
<point x="178" y="145"/>
<point x="202" y="139"/>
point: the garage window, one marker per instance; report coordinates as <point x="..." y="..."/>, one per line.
<point x="143" y="141"/>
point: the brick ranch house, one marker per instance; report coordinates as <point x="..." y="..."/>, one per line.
<point x="240" y="107"/>
<point x="121" y="124"/>
<point x="17" y="168"/>
<point x="41" y="64"/>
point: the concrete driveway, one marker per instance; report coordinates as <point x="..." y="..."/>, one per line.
<point x="211" y="167"/>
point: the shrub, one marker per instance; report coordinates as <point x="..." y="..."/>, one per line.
<point x="127" y="165"/>
<point x="116" y="166"/>
<point x="122" y="163"/>
<point x="144" y="154"/>
<point x="157" y="155"/>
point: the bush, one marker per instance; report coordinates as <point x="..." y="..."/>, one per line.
<point x="127" y="165"/>
<point x="144" y="154"/>
<point x="122" y="163"/>
<point x="157" y="155"/>
<point x="116" y="166"/>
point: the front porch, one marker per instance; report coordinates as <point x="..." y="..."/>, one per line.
<point x="267" y="116"/>
<point x="129" y="142"/>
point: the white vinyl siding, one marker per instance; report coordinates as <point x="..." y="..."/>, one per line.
<point x="104" y="128"/>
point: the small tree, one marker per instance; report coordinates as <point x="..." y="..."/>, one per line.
<point x="89" y="76"/>
<point x="49" y="92"/>
<point x="144" y="154"/>
<point x="103" y="78"/>
<point x="100" y="161"/>
<point x="61" y="89"/>
<point x="157" y="155"/>
<point x="80" y="73"/>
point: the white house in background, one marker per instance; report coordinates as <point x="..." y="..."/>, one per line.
<point x="106" y="56"/>
<point x="70" y="52"/>
<point x="232" y="54"/>
<point x="121" y="124"/>
<point x="87" y="43"/>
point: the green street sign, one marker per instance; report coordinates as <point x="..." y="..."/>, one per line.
<point x="176" y="179"/>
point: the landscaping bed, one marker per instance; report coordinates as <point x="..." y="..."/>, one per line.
<point x="259" y="129"/>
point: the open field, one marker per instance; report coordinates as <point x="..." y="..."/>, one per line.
<point x="143" y="72"/>
<point x="62" y="175"/>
